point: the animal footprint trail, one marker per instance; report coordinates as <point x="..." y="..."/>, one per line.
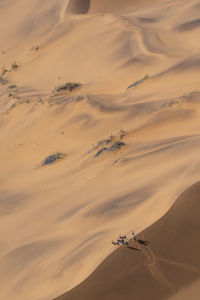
<point x="180" y="265"/>
<point x="154" y="267"/>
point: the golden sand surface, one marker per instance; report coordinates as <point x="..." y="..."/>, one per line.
<point x="125" y="153"/>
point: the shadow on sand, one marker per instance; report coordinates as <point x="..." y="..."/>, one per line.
<point x="142" y="242"/>
<point x="133" y="248"/>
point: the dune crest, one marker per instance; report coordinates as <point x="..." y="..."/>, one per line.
<point x="99" y="131"/>
<point x="108" y="6"/>
<point x="163" y="260"/>
<point x="78" y="6"/>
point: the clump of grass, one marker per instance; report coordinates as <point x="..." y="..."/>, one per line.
<point x="14" y="96"/>
<point x="3" y="80"/>
<point x="181" y="99"/>
<point x="174" y="102"/>
<point x="113" y="148"/>
<point x="122" y="133"/>
<point x="3" y="72"/>
<point x="99" y="152"/>
<point x="41" y="101"/>
<point x="52" y="158"/>
<point x="69" y="86"/>
<point x="116" y="146"/>
<point x="136" y="83"/>
<point x="14" y="66"/>
<point x="110" y="144"/>
<point x="35" y="48"/>
<point x="12" y="86"/>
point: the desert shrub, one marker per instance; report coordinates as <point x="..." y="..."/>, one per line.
<point x="52" y="158"/>
<point x="3" y="80"/>
<point x="99" y="152"/>
<point x="69" y="86"/>
<point x="12" y="86"/>
<point x="3" y="72"/>
<point x="35" y="48"/>
<point x="136" y="83"/>
<point x="116" y="146"/>
<point x="14" y="96"/>
<point x="113" y="148"/>
<point x="110" y="144"/>
<point x="41" y="101"/>
<point x="14" y="66"/>
<point x="122" y="133"/>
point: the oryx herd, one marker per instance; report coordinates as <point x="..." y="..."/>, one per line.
<point x="122" y="240"/>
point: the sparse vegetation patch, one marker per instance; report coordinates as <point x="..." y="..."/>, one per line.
<point x="69" y="87"/>
<point x="14" y="66"/>
<point x="52" y="158"/>
<point x="116" y="146"/>
<point x="35" y="48"/>
<point x="110" y="144"/>
<point x="136" y="83"/>
<point x="14" y="96"/>
<point x="12" y="86"/>
<point x="113" y="148"/>
<point x="3" y="72"/>
<point x="3" y="80"/>
<point x="181" y="99"/>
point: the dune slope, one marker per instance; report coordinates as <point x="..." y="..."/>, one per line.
<point x="169" y="262"/>
<point x="124" y="136"/>
<point x="109" y="6"/>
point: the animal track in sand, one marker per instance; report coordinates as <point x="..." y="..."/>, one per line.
<point x="153" y="265"/>
<point x="180" y="265"/>
<point x="155" y="269"/>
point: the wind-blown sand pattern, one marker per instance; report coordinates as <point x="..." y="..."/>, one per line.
<point x="126" y="154"/>
<point x="157" y="265"/>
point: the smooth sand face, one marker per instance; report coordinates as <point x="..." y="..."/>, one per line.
<point x="107" y="6"/>
<point x="191" y="292"/>
<point x="57" y="221"/>
<point x="163" y="262"/>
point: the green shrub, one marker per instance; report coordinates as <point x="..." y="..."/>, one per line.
<point x="12" y="86"/>
<point x="3" y="72"/>
<point x="136" y="83"/>
<point x="69" y="86"/>
<point x="52" y="158"/>
<point x="35" y="48"/>
<point x="113" y="148"/>
<point x="14" y="66"/>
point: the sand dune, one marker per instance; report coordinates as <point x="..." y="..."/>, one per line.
<point x="125" y="153"/>
<point x="157" y="270"/>
<point x="109" y="6"/>
<point x="78" y="7"/>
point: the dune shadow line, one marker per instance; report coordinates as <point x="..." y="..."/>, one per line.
<point x="133" y="248"/>
<point x="142" y="242"/>
<point x="78" y="7"/>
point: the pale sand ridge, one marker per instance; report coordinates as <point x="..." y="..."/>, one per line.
<point x="163" y="260"/>
<point x="57" y="221"/>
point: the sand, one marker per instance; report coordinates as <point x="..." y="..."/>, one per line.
<point x="107" y="6"/>
<point x="163" y="260"/>
<point x="57" y="221"/>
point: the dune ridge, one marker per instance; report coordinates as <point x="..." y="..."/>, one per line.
<point x="156" y="270"/>
<point x="78" y="7"/>
<point x="109" y="6"/>
<point x="57" y="220"/>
